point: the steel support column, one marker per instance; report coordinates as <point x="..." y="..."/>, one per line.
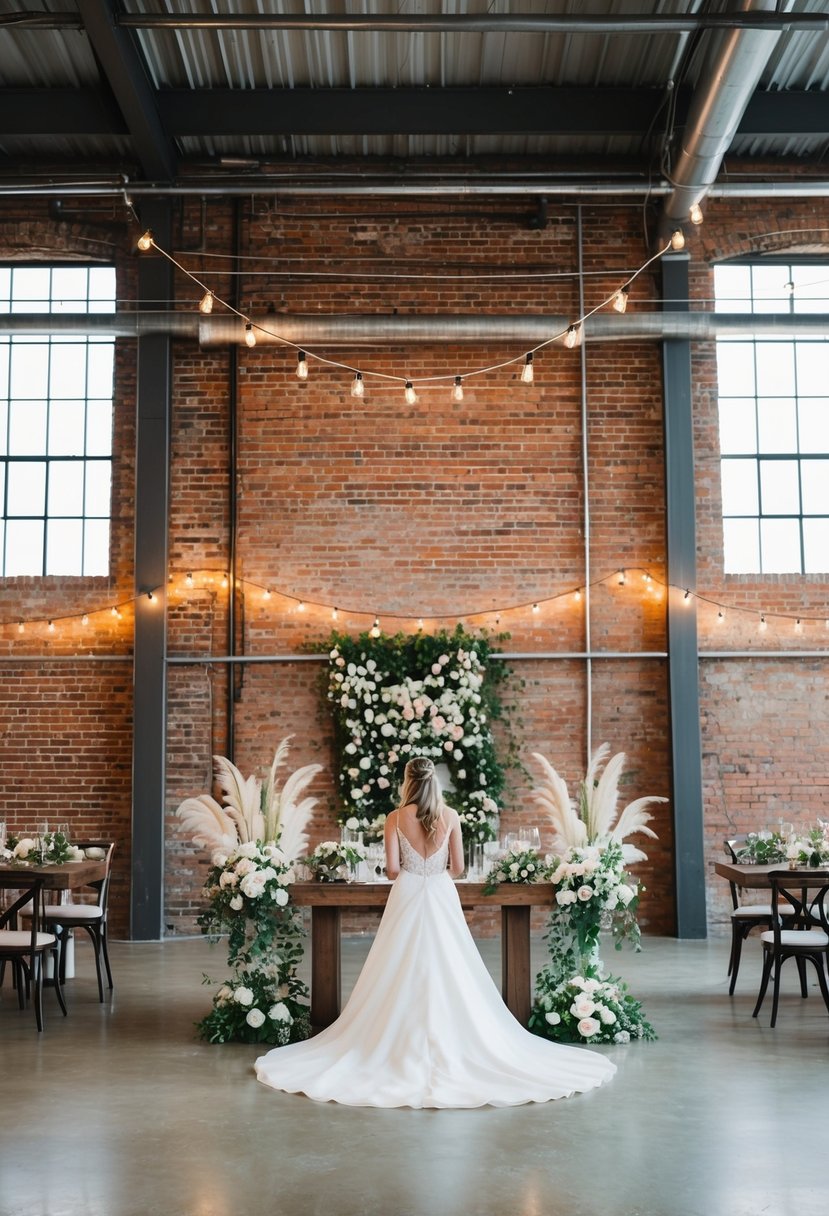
<point x="155" y="283"/>
<point x="683" y="668"/>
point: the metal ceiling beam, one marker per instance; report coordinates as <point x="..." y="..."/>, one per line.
<point x="439" y="23"/>
<point x="130" y="85"/>
<point x="219" y="112"/>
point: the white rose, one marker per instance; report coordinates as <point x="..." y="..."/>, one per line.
<point x="624" y="894"/>
<point x="436" y="669"/>
<point x="621" y="1036"/>
<point x="279" y="1013"/>
<point x="243" y="996"/>
<point x="228" y="879"/>
<point x="365" y="762"/>
<point x="356" y="794"/>
<point x="382" y="783"/>
<point x="237" y="903"/>
<point x="350" y="748"/>
<point x="368" y="714"/>
<point x="23" y="848"/>
<point x="281" y="896"/>
<point x="591" y="985"/>
<point x="585" y="893"/>
<point x="247" y="850"/>
<point x="607" y="1015"/>
<point x="255" y="1018"/>
<point x="448" y="745"/>
<point x="332" y="654"/>
<point x="563" y="898"/>
<point x="588" y="1027"/>
<point x="219" y="859"/>
<point x="553" y="1018"/>
<point x="386" y="729"/>
<point x="253" y="885"/>
<point x="582" y="1007"/>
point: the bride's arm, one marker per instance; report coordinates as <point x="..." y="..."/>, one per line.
<point x="392" y="846"/>
<point x="456" y="861"/>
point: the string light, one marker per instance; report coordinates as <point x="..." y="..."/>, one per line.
<point x="250" y="336"/>
<point x="695" y="214"/>
<point x="573" y="337"/>
<point x="411" y="395"/>
<point x="677" y="240"/>
<point x="720" y="617"/>
<point x="420" y="622"/>
<point x="798" y="626"/>
<point x="763" y="625"/>
<point x="457" y="389"/>
<point x="51" y="626"/>
<point x="358" y="388"/>
<point x="145" y="241"/>
<point x="206" y="303"/>
<point x="189" y="579"/>
<point x="577" y="594"/>
<point x="302" y="366"/>
<point x="622" y="580"/>
<point x="686" y="599"/>
<point x="620" y="300"/>
<point x="375" y="629"/>
<point x="527" y="370"/>
<point x="21" y="628"/>
<point x="789" y="287"/>
<point x="266" y="594"/>
<point x="535" y="608"/>
<point x="113" y="611"/>
<point x="151" y="597"/>
<point x="225" y="580"/>
<point x="300" y="606"/>
<point x="335" y="614"/>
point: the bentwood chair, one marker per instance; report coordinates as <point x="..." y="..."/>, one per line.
<point x="25" y="949"/>
<point x="744" y="916"/>
<point x="803" y="944"/>
<point x="62" y="919"/>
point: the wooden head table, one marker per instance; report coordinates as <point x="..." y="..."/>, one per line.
<point x="756" y="878"/>
<point x="327" y="899"/>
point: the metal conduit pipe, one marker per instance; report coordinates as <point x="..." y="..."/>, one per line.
<point x="730" y="75"/>
<point x="377" y="329"/>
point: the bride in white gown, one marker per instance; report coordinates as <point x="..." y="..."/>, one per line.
<point x="425" y="1025"/>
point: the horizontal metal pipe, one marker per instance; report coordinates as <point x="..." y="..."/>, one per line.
<point x="367" y="186"/>
<point x="378" y="329"/>
<point x="448" y="23"/>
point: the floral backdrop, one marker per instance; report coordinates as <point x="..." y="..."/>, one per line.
<point x="394" y="697"/>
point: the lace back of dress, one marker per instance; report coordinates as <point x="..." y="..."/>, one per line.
<point x="412" y="861"/>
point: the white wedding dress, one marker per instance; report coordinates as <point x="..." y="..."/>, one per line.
<point x="425" y="1025"/>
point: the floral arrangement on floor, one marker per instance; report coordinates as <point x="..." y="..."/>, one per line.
<point x="517" y="865"/>
<point x="255" y="839"/>
<point x="333" y="861"/>
<point x="49" y="848"/>
<point x="762" y="848"/>
<point x="422" y="694"/>
<point x="591" y="853"/>
<point x="586" y="1009"/>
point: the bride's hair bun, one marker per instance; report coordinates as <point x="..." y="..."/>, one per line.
<point x="421" y="766"/>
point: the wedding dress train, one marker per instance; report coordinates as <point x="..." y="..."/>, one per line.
<point x="425" y="1025"/>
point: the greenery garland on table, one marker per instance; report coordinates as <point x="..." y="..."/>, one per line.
<point x="393" y="697"/>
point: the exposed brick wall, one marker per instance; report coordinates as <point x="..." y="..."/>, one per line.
<point x="435" y="509"/>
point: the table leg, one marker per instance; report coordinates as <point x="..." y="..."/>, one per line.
<point x="325" y="966"/>
<point x="515" y="961"/>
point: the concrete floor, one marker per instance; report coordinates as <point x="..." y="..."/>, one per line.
<point x="119" y="1111"/>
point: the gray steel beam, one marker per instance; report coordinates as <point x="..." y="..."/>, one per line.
<point x="127" y="77"/>
<point x="155" y="283"/>
<point x="196" y="112"/>
<point x="683" y="669"/>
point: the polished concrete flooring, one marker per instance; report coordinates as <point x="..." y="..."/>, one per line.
<point x="119" y="1111"/>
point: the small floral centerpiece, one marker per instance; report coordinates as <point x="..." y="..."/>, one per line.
<point x="49" y="848"/>
<point x="589" y="1010"/>
<point x="762" y="848"/>
<point x="588" y="866"/>
<point x="255" y="839"/>
<point x="333" y="861"/>
<point x="809" y="849"/>
<point x="517" y="865"/>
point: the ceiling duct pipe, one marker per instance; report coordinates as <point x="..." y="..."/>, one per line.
<point x="377" y="329"/>
<point x="730" y="74"/>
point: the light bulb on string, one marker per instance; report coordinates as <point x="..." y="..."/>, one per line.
<point x="763" y="626"/>
<point x="621" y="578"/>
<point x="720" y="617"/>
<point x="677" y="240"/>
<point x="206" y="303"/>
<point x="335" y="614"/>
<point x="151" y="597"/>
<point x="188" y="582"/>
<point x="145" y="241"/>
<point x="302" y="366"/>
<point x="266" y="594"/>
<point x="51" y="626"/>
<point x="113" y="611"/>
<point x="620" y="300"/>
<point x="420" y="622"/>
<point x="250" y="336"/>
<point x="577" y="595"/>
<point x="695" y="214"/>
<point x="358" y="388"/>
<point x="375" y="629"/>
<point x="686" y="599"/>
<point x="573" y="337"/>
<point x="225" y="580"/>
<point x="410" y="394"/>
<point x="535" y="608"/>
<point x="798" y="626"/>
<point x="300" y="606"/>
<point x="21" y="628"/>
<point x="789" y="287"/>
<point x="527" y="369"/>
<point x="457" y="389"/>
